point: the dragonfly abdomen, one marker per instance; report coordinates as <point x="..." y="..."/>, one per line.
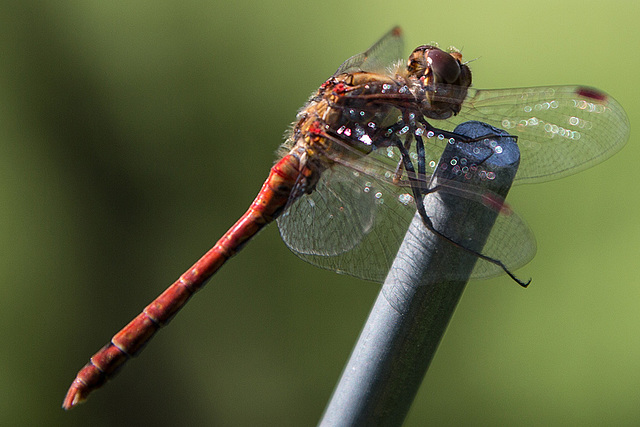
<point x="276" y="192"/>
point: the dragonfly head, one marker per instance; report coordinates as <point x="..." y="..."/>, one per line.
<point x="432" y="65"/>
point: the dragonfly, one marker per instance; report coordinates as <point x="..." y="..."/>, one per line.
<point x="357" y="163"/>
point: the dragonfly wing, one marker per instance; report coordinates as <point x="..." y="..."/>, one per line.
<point x="330" y="221"/>
<point x="471" y="206"/>
<point x="351" y="224"/>
<point x="511" y="241"/>
<point x="354" y="223"/>
<point x="377" y="58"/>
<point x="561" y="130"/>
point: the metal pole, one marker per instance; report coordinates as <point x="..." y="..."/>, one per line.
<point x="421" y="291"/>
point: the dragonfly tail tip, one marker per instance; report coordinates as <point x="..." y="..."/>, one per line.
<point x="74" y="397"/>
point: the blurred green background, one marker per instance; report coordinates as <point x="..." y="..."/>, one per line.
<point x="132" y="134"/>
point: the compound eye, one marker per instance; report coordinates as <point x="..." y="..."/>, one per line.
<point x="444" y="66"/>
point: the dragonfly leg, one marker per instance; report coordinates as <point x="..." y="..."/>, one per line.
<point x="422" y="168"/>
<point x="417" y="194"/>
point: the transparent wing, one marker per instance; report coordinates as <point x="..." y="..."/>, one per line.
<point x="385" y="52"/>
<point x="561" y="130"/>
<point x="354" y="223"/>
<point x="510" y="240"/>
<point x="350" y="224"/>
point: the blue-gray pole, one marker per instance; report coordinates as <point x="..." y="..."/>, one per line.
<point x="421" y="291"/>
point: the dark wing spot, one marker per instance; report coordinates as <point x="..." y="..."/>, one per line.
<point x="591" y="93"/>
